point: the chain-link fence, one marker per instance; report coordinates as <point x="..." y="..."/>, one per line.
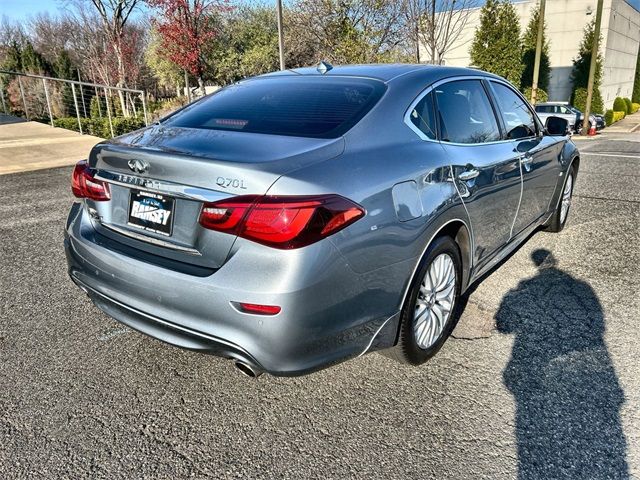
<point x="81" y="106"/>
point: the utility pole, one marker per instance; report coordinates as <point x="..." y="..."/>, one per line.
<point x="592" y="68"/>
<point x="536" y="63"/>
<point x="433" y="32"/>
<point x="280" y="34"/>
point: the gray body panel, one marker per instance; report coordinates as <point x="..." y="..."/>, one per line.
<point x="341" y="296"/>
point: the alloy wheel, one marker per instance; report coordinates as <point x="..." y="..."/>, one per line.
<point x="435" y="301"/>
<point x="566" y="199"/>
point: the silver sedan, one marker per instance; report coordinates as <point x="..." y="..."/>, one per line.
<point x="298" y="219"/>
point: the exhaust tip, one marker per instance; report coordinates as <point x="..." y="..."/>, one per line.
<point x="247" y="369"/>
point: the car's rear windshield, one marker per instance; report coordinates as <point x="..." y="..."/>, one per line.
<point x="299" y="106"/>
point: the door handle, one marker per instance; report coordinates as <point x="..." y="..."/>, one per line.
<point x="526" y="159"/>
<point x="468" y="174"/>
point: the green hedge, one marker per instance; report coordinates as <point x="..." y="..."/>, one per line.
<point x="540" y="97"/>
<point x="100" y="126"/>
<point x="629" y="105"/>
<point x="635" y="107"/>
<point x="611" y="117"/>
<point x="579" y="100"/>
<point x="619" y="105"/>
<point x="608" y="117"/>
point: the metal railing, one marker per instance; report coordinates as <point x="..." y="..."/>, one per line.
<point x="101" y="110"/>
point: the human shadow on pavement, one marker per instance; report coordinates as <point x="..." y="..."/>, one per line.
<point x="567" y="394"/>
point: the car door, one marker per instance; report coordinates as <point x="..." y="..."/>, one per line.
<point x="485" y="167"/>
<point x="538" y="154"/>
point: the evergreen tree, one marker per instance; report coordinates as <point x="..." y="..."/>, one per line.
<point x="33" y="62"/>
<point x="63" y="67"/>
<point x="529" y="40"/>
<point x="13" y="57"/>
<point x="635" y="96"/>
<point x="581" y="65"/>
<point x="497" y="46"/>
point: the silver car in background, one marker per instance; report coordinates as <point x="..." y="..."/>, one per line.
<point x="297" y="219"/>
<point x="562" y="110"/>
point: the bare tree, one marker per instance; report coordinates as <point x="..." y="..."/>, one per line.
<point x="114" y="15"/>
<point x="413" y="11"/>
<point x="11" y="30"/>
<point x="49" y="34"/>
<point x="348" y="31"/>
<point x="436" y="24"/>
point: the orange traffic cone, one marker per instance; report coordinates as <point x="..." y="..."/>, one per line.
<point x="592" y="130"/>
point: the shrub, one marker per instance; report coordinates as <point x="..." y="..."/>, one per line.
<point x="540" y="97"/>
<point x="619" y="105"/>
<point x="611" y="117"/>
<point x="122" y="125"/>
<point x="608" y="117"/>
<point x="635" y="107"/>
<point x="579" y="100"/>
<point x="97" y="107"/>
<point x="629" y="105"/>
<point x="163" y="108"/>
<point x="617" y="116"/>
<point x="70" y="123"/>
<point x="99" y="127"/>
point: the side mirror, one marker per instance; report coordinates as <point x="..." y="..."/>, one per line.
<point x="557" y="126"/>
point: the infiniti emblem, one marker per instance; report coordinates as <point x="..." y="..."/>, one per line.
<point x="138" y="166"/>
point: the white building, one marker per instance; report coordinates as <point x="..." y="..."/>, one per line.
<point x="565" y="21"/>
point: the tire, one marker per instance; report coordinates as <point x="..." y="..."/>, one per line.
<point x="559" y="218"/>
<point x="416" y="344"/>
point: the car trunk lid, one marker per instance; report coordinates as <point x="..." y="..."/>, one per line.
<point x="176" y="170"/>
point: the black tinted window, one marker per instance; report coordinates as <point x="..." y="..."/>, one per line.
<point x="543" y="108"/>
<point x="423" y="116"/>
<point x="299" y="106"/>
<point x="465" y="113"/>
<point x="518" y="119"/>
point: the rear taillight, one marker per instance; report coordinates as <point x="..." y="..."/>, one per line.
<point x="84" y="185"/>
<point x="281" y="221"/>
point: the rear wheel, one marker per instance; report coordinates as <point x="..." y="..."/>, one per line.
<point x="559" y="218"/>
<point x="431" y="308"/>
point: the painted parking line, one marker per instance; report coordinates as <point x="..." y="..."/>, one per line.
<point x="617" y="155"/>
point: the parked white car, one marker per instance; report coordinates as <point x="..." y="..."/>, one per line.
<point x="559" y="109"/>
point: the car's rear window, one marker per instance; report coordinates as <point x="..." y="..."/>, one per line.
<point x="299" y="106"/>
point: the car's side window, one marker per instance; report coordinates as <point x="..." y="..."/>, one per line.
<point x="465" y="113"/>
<point x="423" y="116"/>
<point x="519" y="120"/>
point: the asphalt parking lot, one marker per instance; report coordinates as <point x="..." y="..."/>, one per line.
<point x="550" y="388"/>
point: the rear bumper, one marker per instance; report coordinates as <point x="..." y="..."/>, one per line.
<point x="329" y="313"/>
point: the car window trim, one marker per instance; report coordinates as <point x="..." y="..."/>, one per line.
<point x="430" y="88"/>
<point x="526" y="104"/>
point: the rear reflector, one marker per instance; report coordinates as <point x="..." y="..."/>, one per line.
<point x="84" y="185"/>
<point x="259" y="309"/>
<point x="284" y="222"/>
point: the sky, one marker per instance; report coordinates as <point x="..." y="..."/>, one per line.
<point x="21" y="9"/>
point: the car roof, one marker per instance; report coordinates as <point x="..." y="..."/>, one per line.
<point x="385" y="72"/>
